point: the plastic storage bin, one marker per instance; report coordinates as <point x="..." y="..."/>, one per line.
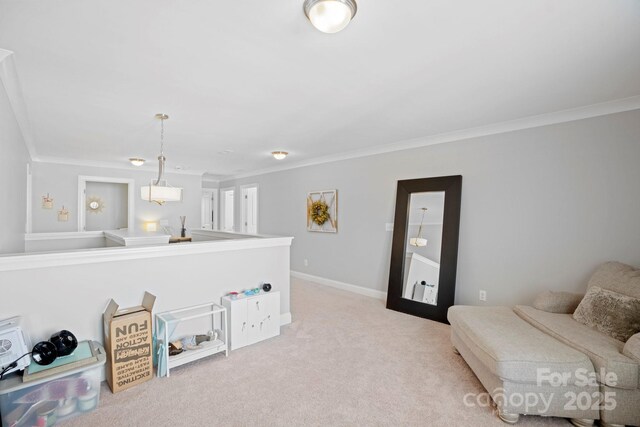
<point x="57" y="397"/>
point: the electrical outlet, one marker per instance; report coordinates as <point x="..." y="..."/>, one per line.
<point x="306" y="262"/>
<point x="483" y="295"/>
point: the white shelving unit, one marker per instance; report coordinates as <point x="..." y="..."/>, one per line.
<point x="169" y="323"/>
<point x="253" y="318"/>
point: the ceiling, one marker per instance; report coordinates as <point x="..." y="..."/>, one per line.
<point x="241" y="78"/>
<point x="433" y="201"/>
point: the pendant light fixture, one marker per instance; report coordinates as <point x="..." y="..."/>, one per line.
<point x="419" y="241"/>
<point x="159" y="191"/>
<point x="330" y="16"/>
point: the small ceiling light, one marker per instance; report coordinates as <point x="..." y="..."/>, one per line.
<point x="279" y="155"/>
<point x="330" y="16"/>
<point x="135" y="161"/>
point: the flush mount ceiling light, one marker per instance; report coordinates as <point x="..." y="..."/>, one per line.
<point x="279" y="155"/>
<point x="160" y="191"/>
<point x="330" y="16"/>
<point x="136" y="161"/>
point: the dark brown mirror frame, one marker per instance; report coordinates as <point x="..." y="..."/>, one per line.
<point x="452" y="187"/>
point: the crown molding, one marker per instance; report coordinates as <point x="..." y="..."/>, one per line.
<point x="11" y="83"/>
<point x="113" y="165"/>
<point x="562" y="116"/>
<point x="215" y="179"/>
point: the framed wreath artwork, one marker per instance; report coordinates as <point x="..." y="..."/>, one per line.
<point x="322" y="211"/>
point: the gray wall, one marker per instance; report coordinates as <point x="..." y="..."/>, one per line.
<point x="13" y="177"/>
<point x="61" y="182"/>
<point x="115" y="206"/>
<point x="540" y="208"/>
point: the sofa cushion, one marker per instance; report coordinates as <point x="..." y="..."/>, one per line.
<point x="511" y="348"/>
<point x="604" y="351"/>
<point x="617" y="277"/>
<point x="610" y="312"/>
<point x="557" y="302"/>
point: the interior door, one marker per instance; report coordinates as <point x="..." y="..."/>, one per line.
<point x="227" y="209"/>
<point x="209" y="209"/>
<point x="250" y="210"/>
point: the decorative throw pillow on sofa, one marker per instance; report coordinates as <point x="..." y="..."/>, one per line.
<point x="614" y="314"/>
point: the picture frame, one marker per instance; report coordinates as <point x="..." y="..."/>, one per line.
<point x="322" y="211"/>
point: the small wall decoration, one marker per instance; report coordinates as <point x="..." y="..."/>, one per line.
<point x="322" y="211"/>
<point x="47" y="202"/>
<point x="95" y="204"/>
<point x="63" y="215"/>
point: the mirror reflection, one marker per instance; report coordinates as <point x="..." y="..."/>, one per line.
<point x="424" y="243"/>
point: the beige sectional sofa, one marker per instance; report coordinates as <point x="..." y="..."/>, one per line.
<point x="529" y="349"/>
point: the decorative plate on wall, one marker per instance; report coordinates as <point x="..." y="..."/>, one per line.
<point x="95" y="204"/>
<point x="322" y="211"/>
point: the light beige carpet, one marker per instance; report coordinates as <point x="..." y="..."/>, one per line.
<point x="345" y="360"/>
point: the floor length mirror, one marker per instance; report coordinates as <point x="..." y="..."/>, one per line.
<point x="425" y="247"/>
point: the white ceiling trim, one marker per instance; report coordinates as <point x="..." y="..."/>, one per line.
<point x="206" y="178"/>
<point x="9" y="79"/>
<point x="113" y="165"/>
<point x="563" y="116"/>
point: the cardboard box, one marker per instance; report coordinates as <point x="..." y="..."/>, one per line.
<point x="128" y="341"/>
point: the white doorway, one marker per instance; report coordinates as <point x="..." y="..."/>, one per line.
<point x="105" y="203"/>
<point x="227" y="211"/>
<point x="209" y="209"/>
<point x="250" y="209"/>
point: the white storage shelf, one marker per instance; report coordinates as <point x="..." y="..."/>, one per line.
<point x="253" y="318"/>
<point x="168" y="323"/>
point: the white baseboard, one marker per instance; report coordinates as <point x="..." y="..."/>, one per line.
<point x="340" y="285"/>
<point x="285" y="319"/>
